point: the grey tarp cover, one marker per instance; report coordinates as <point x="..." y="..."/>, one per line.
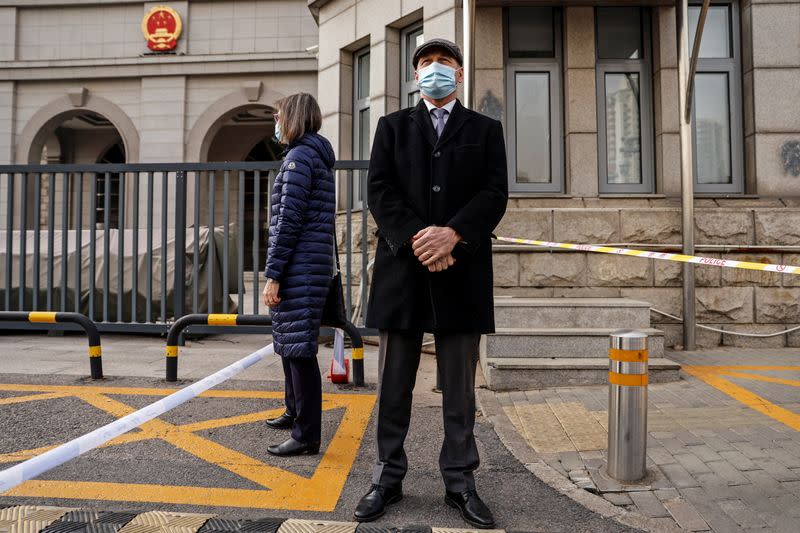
<point x="160" y="290"/>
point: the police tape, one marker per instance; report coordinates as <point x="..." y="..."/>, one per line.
<point x="31" y="468"/>
<point x="664" y="256"/>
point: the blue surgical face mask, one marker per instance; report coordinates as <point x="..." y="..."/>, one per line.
<point x="278" y="134"/>
<point x="436" y="80"/>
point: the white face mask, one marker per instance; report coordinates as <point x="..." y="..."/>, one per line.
<point x="278" y="134"/>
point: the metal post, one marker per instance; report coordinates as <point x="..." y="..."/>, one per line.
<point x="468" y="23"/>
<point x="627" y="405"/>
<point x="687" y="173"/>
<point x="180" y="244"/>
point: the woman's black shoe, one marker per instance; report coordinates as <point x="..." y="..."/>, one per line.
<point x="284" y="421"/>
<point x="472" y="508"/>
<point x="294" y="447"/>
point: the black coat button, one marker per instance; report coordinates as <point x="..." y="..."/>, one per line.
<point x="436" y="188"/>
<point x="437" y="154"/>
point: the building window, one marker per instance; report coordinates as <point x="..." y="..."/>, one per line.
<point x="361" y="137"/>
<point x="533" y="86"/>
<point x="624" y="100"/>
<point x="717" y="130"/>
<point x="410" y="38"/>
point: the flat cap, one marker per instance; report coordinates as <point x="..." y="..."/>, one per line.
<point x="450" y="46"/>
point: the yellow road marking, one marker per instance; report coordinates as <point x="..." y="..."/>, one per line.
<point x="712" y="376"/>
<point x="74" y="390"/>
<point x="282" y="489"/>
<point x="33" y="397"/>
<point x="22" y="455"/>
<point x="139" y="435"/>
<point x="758" y="377"/>
<point x="715" y="368"/>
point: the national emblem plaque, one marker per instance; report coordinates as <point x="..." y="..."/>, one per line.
<point x="161" y="27"/>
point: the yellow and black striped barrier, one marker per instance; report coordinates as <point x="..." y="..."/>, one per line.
<point x="249" y="320"/>
<point x="49" y="317"/>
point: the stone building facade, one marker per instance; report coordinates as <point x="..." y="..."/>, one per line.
<point x="753" y="47"/>
<point x="587" y="93"/>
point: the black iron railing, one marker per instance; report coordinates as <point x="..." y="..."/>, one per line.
<point x="136" y="246"/>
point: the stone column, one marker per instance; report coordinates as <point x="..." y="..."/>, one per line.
<point x="161" y="129"/>
<point x="337" y="30"/>
<point x="8" y="33"/>
<point x="7" y="109"/>
<point x="7" y="112"/>
<point x="580" y="104"/>
<point x="161" y="119"/>
<point x="489" y="63"/>
<point x="771" y="80"/>
<point x="666" y="107"/>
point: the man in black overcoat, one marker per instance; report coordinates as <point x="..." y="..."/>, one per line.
<point x="437" y="189"/>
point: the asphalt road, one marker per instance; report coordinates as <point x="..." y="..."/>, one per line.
<point x="519" y="500"/>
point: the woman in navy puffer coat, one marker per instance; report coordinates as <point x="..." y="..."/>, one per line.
<point x="300" y="266"/>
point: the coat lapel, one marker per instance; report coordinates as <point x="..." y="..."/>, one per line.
<point x="457" y="118"/>
<point x="422" y="118"/>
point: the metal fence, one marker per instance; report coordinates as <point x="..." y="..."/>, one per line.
<point x="136" y="246"/>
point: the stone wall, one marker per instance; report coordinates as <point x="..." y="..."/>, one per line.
<point x="730" y="299"/>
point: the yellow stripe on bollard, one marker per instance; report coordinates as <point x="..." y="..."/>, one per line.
<point x="172" y="351"/>
<point x="628" y="356"/>
<point x="627" y="380"/>
<point x="358" y="354"/>
<point x="42" y="316"/>
<point x="95" y="351"/>
<point x="221" y="320"/>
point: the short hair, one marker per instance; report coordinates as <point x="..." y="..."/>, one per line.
<point x="299" y="114"/>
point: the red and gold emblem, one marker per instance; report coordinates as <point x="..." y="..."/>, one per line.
<point x="162" y="27"/>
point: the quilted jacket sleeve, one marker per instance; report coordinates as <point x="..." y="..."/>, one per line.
<point x="295" y="193"/>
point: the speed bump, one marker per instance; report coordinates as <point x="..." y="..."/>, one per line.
<point x="80" y="521"/>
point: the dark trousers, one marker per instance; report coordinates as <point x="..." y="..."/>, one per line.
<point x="456" y="359"/>
<point x="303" y="391"/>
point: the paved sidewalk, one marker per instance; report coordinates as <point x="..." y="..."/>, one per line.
<point x="723" y="444"/>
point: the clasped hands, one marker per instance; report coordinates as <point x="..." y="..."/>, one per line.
<point x="434" y="245"/>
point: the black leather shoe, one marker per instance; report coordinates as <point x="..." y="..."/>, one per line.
<point x="284" y="421"/>
<point x="472" y="508"/>
<point x="294" y="447"/>
<point x="373" y="505"/>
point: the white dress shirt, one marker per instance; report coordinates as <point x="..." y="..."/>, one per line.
<point x="447" y="107"/>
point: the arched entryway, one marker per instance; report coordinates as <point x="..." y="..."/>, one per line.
<point x="244" y="134"/>
<point x="74" y="136"/>
<point x="63" y="132"/>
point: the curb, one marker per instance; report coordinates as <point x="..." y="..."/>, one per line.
<point x="43" y="519"/>
<point x="520" y="449"/>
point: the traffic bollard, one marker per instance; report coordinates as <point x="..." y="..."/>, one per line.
<point x="627" y="405"/>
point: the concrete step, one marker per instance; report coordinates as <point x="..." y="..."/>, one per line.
<point x="560" y="343"/>
<point x="619" y="313"/>
<point x="537" y="373"/>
